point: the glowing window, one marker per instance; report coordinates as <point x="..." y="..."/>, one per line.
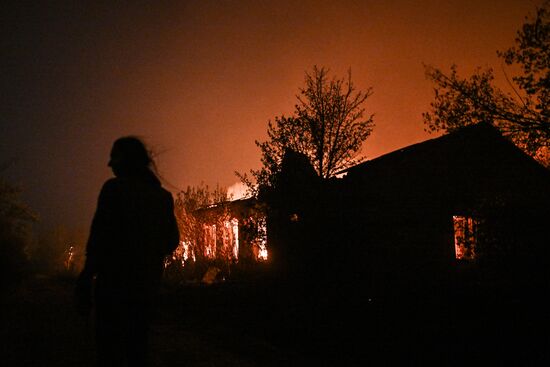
<point x="465" y="229"/>
<point x="210" y="240"/>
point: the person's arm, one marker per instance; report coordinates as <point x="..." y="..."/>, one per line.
<point x="102" y="228"/>
<point x="99" y="234"/>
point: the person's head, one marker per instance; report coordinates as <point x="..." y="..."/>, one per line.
<point x="129" y="156"/>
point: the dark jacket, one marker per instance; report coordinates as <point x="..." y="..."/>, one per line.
<point x="133" y="229"/>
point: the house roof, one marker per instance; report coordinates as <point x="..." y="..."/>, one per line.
<point x="473" y="162"/>
<point x="235" y="207"/>
<point x="457" y="142"/>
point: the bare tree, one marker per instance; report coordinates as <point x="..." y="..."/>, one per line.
<point x="328" y="125"/>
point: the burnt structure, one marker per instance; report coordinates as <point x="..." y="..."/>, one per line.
<point x="233" y="230"/>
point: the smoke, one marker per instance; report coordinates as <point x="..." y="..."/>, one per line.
<point x="237" y="191"/>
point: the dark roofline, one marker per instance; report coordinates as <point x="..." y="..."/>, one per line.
<point x="464" y="131"/>
<point x="226" y="203"/>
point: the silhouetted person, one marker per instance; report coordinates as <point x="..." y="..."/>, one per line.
<point x="132" y="231"/>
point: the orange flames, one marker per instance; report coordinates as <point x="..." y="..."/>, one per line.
<point x="222" y="242"/>
<point x="465" y="229"/>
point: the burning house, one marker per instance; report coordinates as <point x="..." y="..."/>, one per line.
<point x="413" y="216"/>
<point x="234" y="229"/>
<point x="216" y="237"/>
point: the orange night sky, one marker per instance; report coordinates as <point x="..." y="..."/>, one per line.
<point x="199" y="81"/>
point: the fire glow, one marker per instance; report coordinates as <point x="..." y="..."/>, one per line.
<point x="223" y="242"/>
<point x="465" y="230"/>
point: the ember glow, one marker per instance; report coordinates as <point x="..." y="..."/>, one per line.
<point x="69" y="258"/>
<point x="235" y="231"/>
<point x="223" y="241"/>
<point x="183" y="253"/>
<point x="465" y="230"/>
<point x="261" y="243"/>
<point x="210" y="240"/>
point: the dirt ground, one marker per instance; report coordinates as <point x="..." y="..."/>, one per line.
<point x="244" y="325"/>
<point x="41" y="328"/>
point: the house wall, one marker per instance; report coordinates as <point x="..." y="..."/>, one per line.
<point x="389" y="221"/>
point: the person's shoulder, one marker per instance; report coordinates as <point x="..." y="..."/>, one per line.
<point x="166" y="193"/>
<point x="112" y="182"/>
<point x="112" y="185"/>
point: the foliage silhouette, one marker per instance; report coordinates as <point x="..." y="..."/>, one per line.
<point x="15" y="233"/>
<point x="522" y="115"/>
